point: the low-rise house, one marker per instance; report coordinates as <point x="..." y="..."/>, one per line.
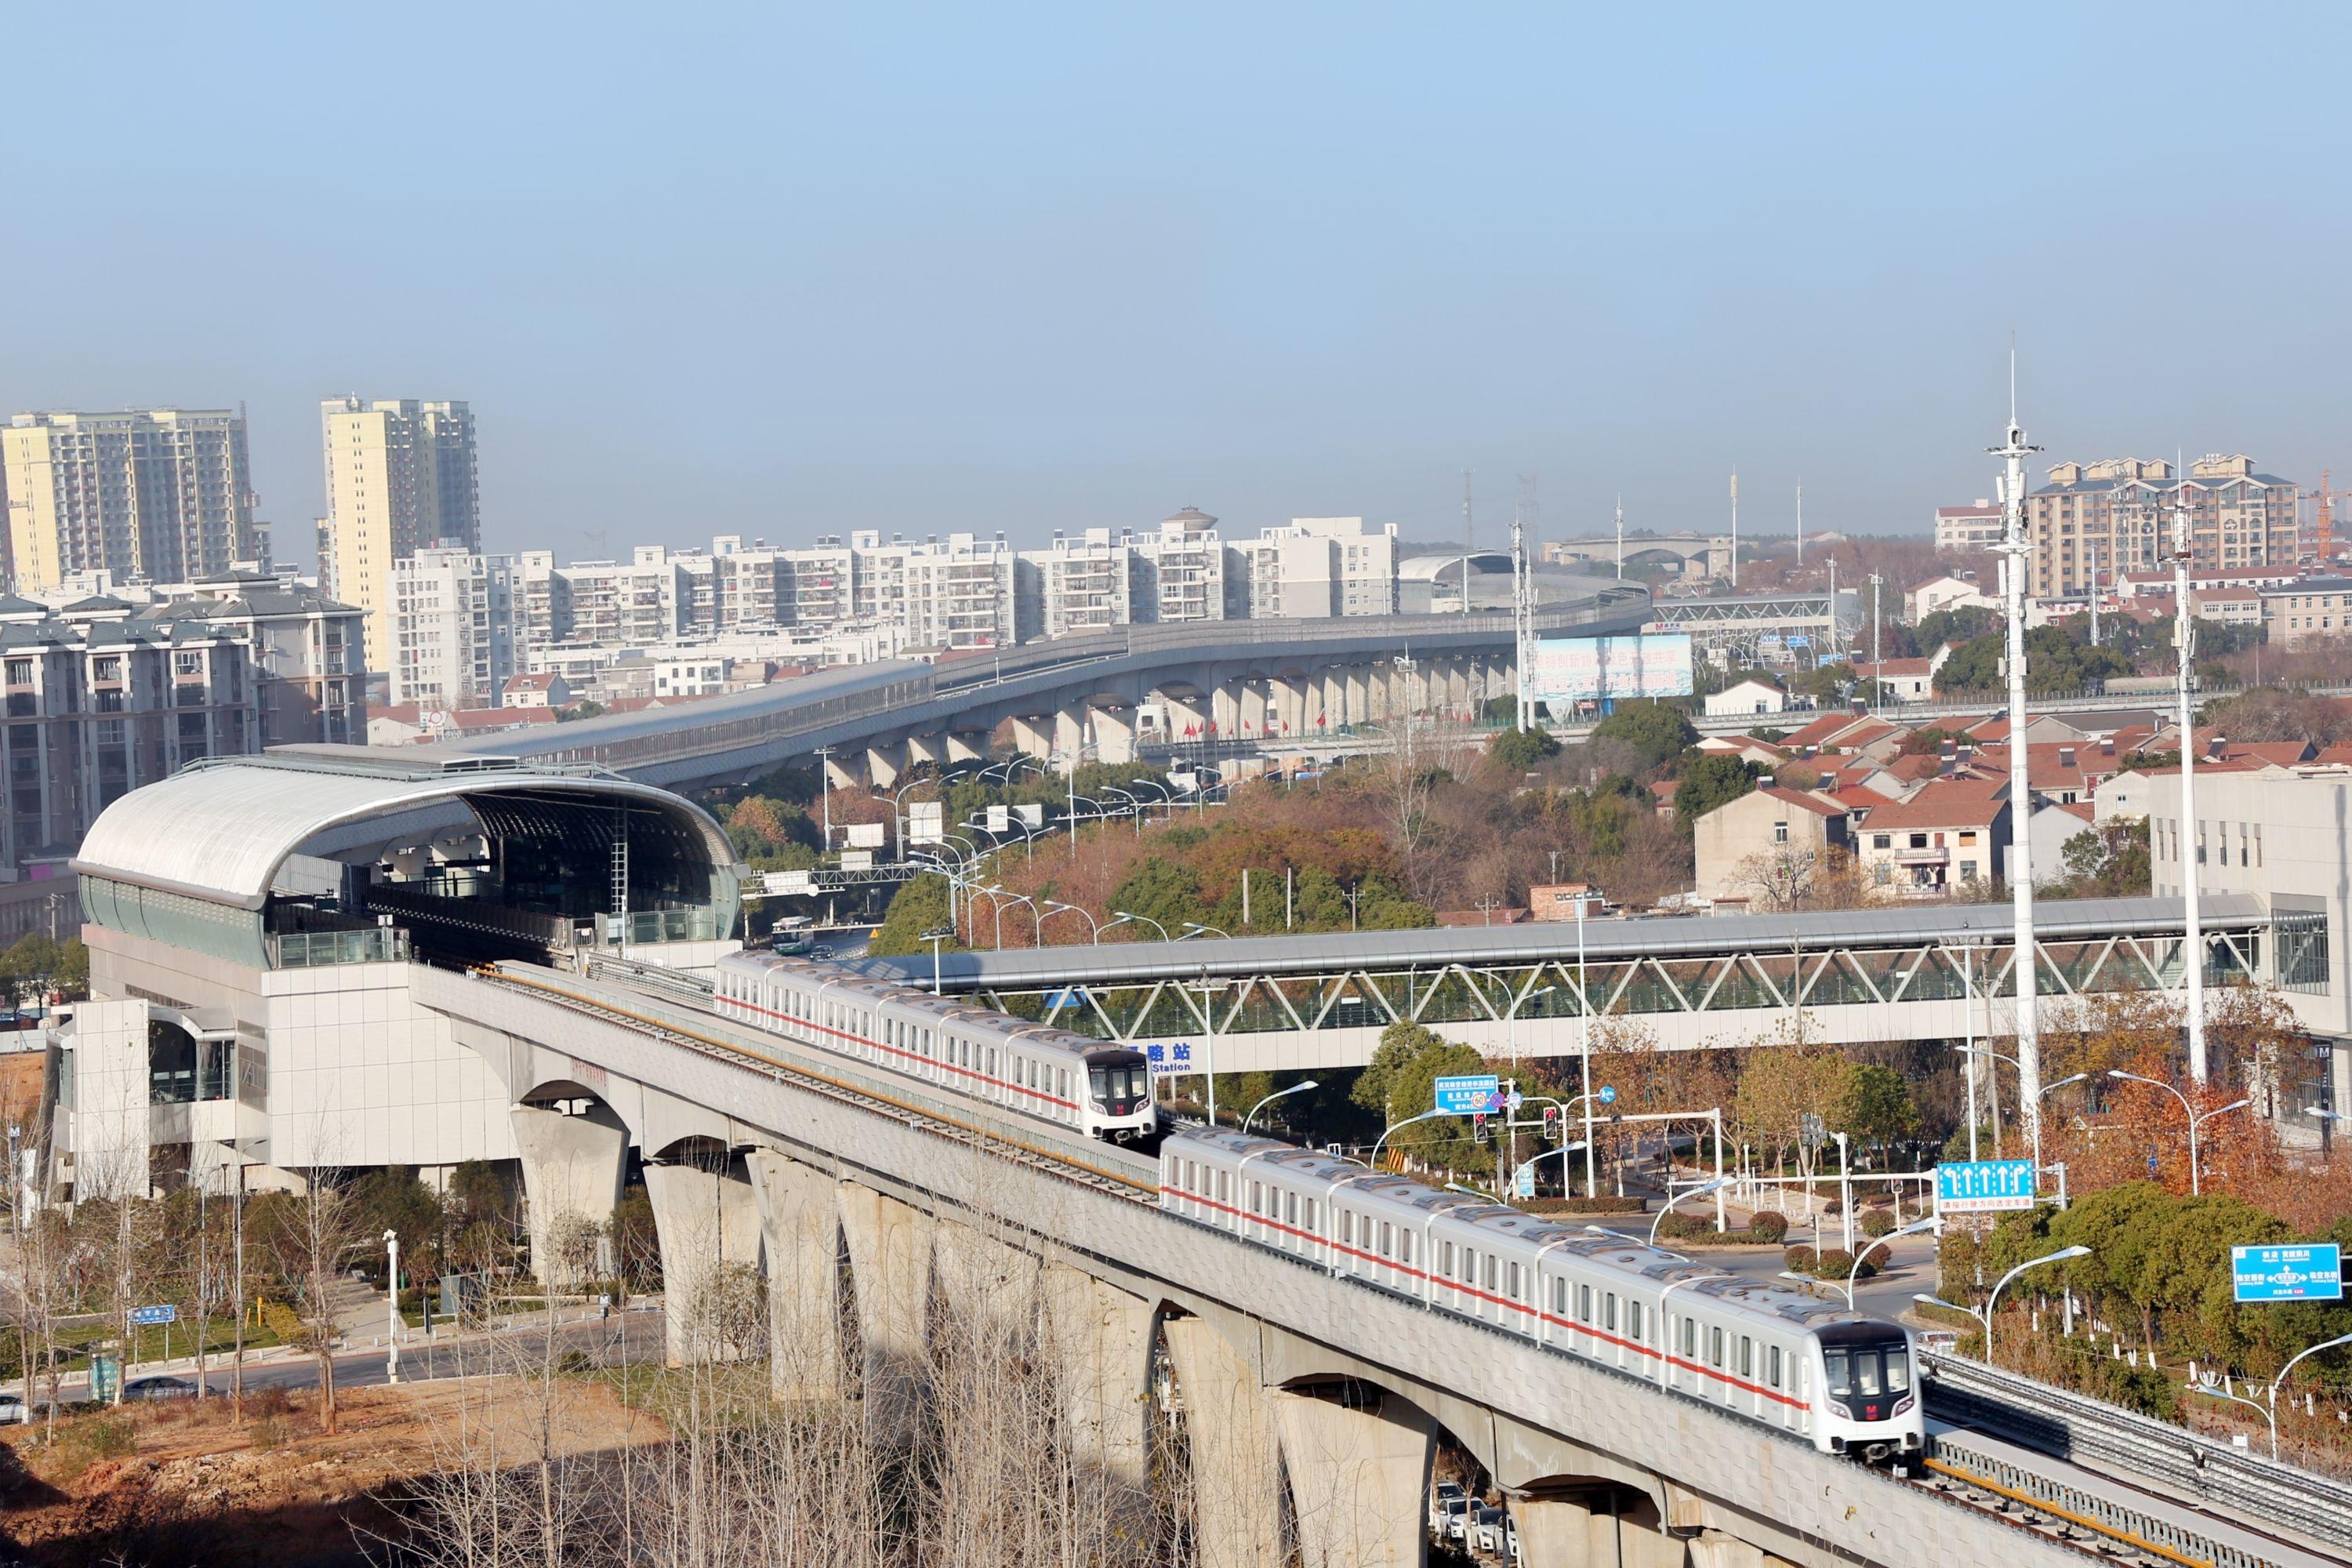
<point x="1766" y="829"/>
<point x="1746" y="697"/>
<point x="544" y="689"/>
<point x="1951" y="833"/>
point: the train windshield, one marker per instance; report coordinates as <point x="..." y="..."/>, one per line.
<point x="1120" y="1088"/>
<point x="1868" y="1370"/>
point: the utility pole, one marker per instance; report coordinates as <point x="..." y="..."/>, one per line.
<point x="1878" y="658"/>
<point x="2190" y="839"/>
<point x="2016" y="549"/>
<point x="1466" y="542"/>
<point x="2094" y="592"/>
<point x="1522" y="627"/>
<point x="1735" y="531"/>
<point x="1800" y="522"/>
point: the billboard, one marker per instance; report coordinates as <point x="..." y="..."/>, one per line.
<point x="867" y="835"/>
<point x="2309" y="1272"/>
<point x="1587" y="669"/>
<point x="1469" y="1094"/>
<point x="927" y="822"/>
<point x="1984" y="1186"/>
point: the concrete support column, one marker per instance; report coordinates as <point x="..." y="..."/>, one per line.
<point x="1359" y="1477"/>
<point x="1225" y="708"/>
<point x="1191" y="713"/>
<point x="1237" y="1475"/>
<point x="1102" y="1339"/>
<point x="1069" y="735"/>
<point x="573" y="1167"/>
<point x="890" y="1269"/>
<point x="1594" y="1531"/>
<point x="885" y="761"/>
<point x="710" y="1228"/>
<point x="1033" y="733"/>
<point x="1358" y="685"/>
<point x="967" y="745"/>
<point x="1715" y="1550"/>
<point x="993" y="1285"/>
<point x="799" y="1230"/>
<point x="1252" y="702"/>
<point x="839" y="774"/>
<point x="1114" y="735"/>
<point x="926" y="749"/>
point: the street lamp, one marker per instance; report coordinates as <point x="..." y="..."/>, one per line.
<point x="1036" y="913"/>
<point x="2280" y="1378"/>
<point x="2207" y="1385"/>
<point x="935" y="937"/>
<point x="1855" y="1272"/>
<point x="2195" y="1174"/>
<point x="1194" y="928"/>
<point x="1716" y="1185"/>
<point x="1993" y="1302"/>
<point x="1277" y="1094"/>
<point x="1146" y="920"/>
<point x="2033" y="1118"/>
<point x="392" y="1307"/>
<point x="1375" y="1161"/>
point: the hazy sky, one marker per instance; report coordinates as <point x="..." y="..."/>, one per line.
<point x="785" y="270"/>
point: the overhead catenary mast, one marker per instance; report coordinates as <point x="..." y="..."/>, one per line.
<point x="1735" y="531"/>
<point x="1522" y="625"/>
<point x="2016" y="549"/>
<point x="1800" y="522"/>
<point x="1621" y="536"/>
<point x="1466" y="542"/>
<point x="2189" y="837"/>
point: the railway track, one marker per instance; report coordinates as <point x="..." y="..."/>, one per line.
<point x="1093" y="1167"/>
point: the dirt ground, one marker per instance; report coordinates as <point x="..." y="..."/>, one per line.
<point x="174" y="1485"/>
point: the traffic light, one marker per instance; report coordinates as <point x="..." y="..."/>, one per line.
<point x="1478" y="1127"/>
<point x="1552" y="1120"/>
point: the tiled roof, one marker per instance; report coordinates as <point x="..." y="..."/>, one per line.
<point x="1940" y="805"/>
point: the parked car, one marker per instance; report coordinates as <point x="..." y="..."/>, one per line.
<point x="1462" y="1525"/>
<point x="159" y="1388"/>
<point x="13" y="1409"/>
<point x="1486" y="1531"/>
<point x="1447" y="1500"/>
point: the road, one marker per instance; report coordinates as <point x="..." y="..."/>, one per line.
<point x="1908" y="1269"/>
<point x="629" y="1336"/>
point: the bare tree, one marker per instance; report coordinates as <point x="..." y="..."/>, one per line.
<point x="309" y="1238"/>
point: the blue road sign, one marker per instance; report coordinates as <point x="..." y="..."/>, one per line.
<point x="1526" y="1184"/>
<point x="1468" y="1094"/>
<point x="147" y="1317"/>
<point x="1984" y="1186"/>
<point x="2312" y="1272"/>
<point x="1074" y="996"/>
<point x="1608" y="1095"/>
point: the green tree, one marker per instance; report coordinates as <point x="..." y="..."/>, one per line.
<point x="1656" y="733"/>
<point x="1963" y="624"/>
<point x="1877" y="1109"/>
<point x="1520" y="750"/>
<point x="2108" y="861"/>
<point x="1161" y="889"/>
<point x="1709" y="780"/>
<point x="1974" y="666"/>
<point x="918" y="906"/>
<point x="1400" y="1042"/>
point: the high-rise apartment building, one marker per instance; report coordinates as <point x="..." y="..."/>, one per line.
<point x="453" y="618"/>
<point x="1183" y="576"/>
<point x="1313" y="569"/>
<point x="2114" y="517"/>
<point x="158" y="495"/>
<point x="1083" y="584"/>
<point x="400" y="478"/>
<point x="1964" y="530"/>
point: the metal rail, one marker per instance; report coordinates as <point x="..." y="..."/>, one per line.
<point x="2156" y="1540"/>
<point x="2136" y="1448"/>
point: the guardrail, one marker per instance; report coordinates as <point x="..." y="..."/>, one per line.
<point x="2135" y="1448"/>
<point x="1973" y="1465"/>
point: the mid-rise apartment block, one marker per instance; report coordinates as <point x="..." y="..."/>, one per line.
<point x="2100" y="521"/>
<point x="1084" y="584"/>
<point x="1314" y="569"/>
<point x="1963" y="529"/>
<point x="160" y="495"/>
<point x="401" y="476"/>
<point x="453" y="628"/>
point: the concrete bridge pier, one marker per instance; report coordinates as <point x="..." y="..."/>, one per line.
<point x="1225" y="708"/>
<point x="799" y="1230"/>
<point x="890" y="1268"/>
<point x="1103" y="1339"/>
<point x="707" y="1220"/>
<point x="573" y="1167"/>
<point x="1114" y="731"/>
<point x="993" y="1287"/>
<point x="1606" y="1529"/>
<point x="1033" y="733"/>
<point x="1070" y="735"/>
<point x="886" y="761"/>
<point x="1358" y="1462"/>
<point x="927" y="750"/>
<point x="1191" y="713"/>
<point x="1236" y="1451"/>
<point x="967" y="745"/>
<point x="839" y="774"/>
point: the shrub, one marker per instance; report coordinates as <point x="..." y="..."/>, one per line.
<point x="1799" y="1259"/>
<point x="1877" y="1223"/>
<point x="1835" y="1263"/>
<point x="1683" y="1226"/>
<point x="1767" y="1224"/>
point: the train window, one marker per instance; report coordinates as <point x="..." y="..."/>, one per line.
<point x="1062" y="1076"/>
<point x="1387" y="1237"/>
<point x="1715" y="1347"/>
<point x="1513" y="1288"/>
<point x="1746" y="1356"/>
<point x="1446" y="1258"/>
<point x="1634" y="1319"/>
<point x="1225" y="1187"/>
<point x="1772" y="1366"/>
<point x="992" y="1061"/>
<point x="1310" y="1216"/>
<point x="1347" y="1228"/>
<point x="1469" y="1266"/>
<point x="1584" y="1303"/>
<point x="1608" y="1313"/>
<point x="1404" y="1247"/>
<point x="1489" y="1278"/>
<point x="1560" y="1297"/>
<point x="1690" y="1336"/>
<point x="1258" y="1198"/>
<point x="1291" y="1208"/>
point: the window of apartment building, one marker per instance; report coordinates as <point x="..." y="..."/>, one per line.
<point x="1779" y="833"/>
<point x="1918" y="841"/>
<point x="187" y="662"/>
<point x="108" y="666"/>
<point x="1882" y="841"/>
<point x="20" y="672"/>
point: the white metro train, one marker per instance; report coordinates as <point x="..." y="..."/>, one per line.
<point x="1103" y="1090"/>
<point x="1845" y="1382"/>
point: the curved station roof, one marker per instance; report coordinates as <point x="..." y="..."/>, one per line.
<point x="222" y="830"/>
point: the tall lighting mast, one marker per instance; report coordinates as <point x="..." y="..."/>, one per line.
<point x="2017" y="550"/>
<point x="1522" y="623"/>
<point x="2191" y="841"/>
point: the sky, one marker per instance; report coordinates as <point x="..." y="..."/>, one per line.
<point x="782" y="270"/>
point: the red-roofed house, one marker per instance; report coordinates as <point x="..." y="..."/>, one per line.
<point x="1770" y="826"/>
<point x="1907" y="680"/>
<point x="1951" y="833"/>
<point x="544" y="689"/>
